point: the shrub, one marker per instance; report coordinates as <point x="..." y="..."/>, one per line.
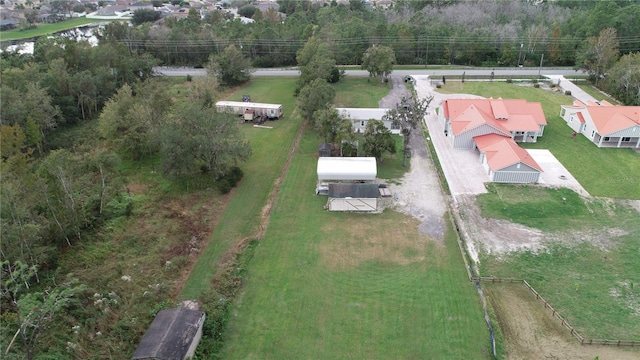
<point x="536" y="85"/>
<point x="189" y="78"/>
<point x="509" y="81"/>
<point x="567" y="92"/>
<point x="438" y="86"/>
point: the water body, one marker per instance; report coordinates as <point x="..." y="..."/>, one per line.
<point x="83" y="33"/>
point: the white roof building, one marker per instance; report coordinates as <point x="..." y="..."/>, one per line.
<point x="347" y="168"/>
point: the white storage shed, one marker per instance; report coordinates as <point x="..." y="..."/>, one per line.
<point x="347" y="169"/>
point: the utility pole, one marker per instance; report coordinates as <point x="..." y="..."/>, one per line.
<point x="540" y="68"/>
<point x="520" y="53"/>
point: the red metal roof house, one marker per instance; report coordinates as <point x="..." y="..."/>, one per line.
<point x="605" y="124"/>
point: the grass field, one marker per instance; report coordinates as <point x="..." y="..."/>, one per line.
<point x="46" y="29"/>
<point x="359" y="92"/>
<point x="240" y="218"/>
<point x="602" y="172"/>
<point x="328" y="285"/>
<point x="592" y="283"/>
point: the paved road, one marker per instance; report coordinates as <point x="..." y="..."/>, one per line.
<point x="434" y="73"/>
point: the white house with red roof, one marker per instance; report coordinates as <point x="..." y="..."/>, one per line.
<point x="605" y="124"/>
<point x="465" y="119"/>
<point x="493" y="126"/>
<point x="505" y="161"/>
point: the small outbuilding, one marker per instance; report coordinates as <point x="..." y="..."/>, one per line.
<point x="355" y="169"/>
<point x="324" y="150"/>
<point x="174" y="334"/>
<point x="353" y="197"/>
<point x="505" y="161"/>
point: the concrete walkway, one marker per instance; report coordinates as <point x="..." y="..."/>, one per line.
<point x="576" y="92"/>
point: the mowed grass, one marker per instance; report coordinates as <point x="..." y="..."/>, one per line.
<point x="363" y="92"/>
<point x="241" y="217"/>
<point x="553" y="209"/>
<point x="325" y="285"/>
<point x="46" y="29"/>
<point x="605" y="172"/>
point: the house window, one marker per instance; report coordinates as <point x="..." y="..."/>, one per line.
<point x="606" y="138"/>
<point x="593" y="133"/>
<point x="626" y="139"/>
<point x="362" y="123"/>
<point x="563" y="111"/>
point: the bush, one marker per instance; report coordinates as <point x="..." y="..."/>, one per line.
<point x="567" y="92"/>
<point x="509" y="81"/>
<point x="438" y="86"/>
<point x="189" y="78"/>
<point x="536" y="85"/>
<point x="224" y="186"/>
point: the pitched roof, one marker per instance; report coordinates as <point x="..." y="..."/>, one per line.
<point x="347" y="168"/>
<point x="503" y="115"/>
<point x="502" y="152"/>
<point x="608" y="118"/>
<point x="345" y="190"/>
<point x="170" y="335"/>
<point x="362" y="113"/>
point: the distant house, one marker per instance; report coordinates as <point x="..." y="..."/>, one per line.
<point x="173" y="335"/>
<point x="605" y="124"/>
<point x="8" y="24"/>
<point x="505" y="161"/>
<point x="466" y="118"/>
<point x="360" y="116"/>
<point x="141" y="5"/>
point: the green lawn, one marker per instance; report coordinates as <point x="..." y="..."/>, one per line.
<point x="240" y="218"/>
<point x="596" y="290"/>
<point x="551" y="209"/>
<point x="363" y="92"/>
<point x="597" y="94"/>
<point x="602" y="172"/>
<point x="46" y="29"/>
<point x="592" y="287"/>
<point x="328" y="285"/>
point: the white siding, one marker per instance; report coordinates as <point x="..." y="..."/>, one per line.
<point x="465" y="139"/>
<point x="520" y="177"/>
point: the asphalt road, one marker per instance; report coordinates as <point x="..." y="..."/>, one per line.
<point x="566" y="71"/>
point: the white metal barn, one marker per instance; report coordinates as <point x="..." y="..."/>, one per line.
<point x="353" y="197"/>
<point x="347" y="169"/>
<point x="270" y="111"/>
<point x="360" y="116"/>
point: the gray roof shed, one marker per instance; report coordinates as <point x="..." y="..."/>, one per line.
<point x="346" y="190"/>
<point x="173" y="335"/>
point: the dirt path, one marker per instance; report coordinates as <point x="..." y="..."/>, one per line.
<point x="418" y="193"/>
<point x="530" y="332"/>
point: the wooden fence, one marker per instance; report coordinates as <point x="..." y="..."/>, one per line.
<point x="557" y="315"/>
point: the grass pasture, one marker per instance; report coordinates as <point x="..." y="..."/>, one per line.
<point x="240" y="218"/>
<point x="605" y="172"/>
<point x="592" y="282"/>
<point x="327" y="285"/>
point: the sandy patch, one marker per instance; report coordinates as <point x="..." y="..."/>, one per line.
<point x="391" y="241"/>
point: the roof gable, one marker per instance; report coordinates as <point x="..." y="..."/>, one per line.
<point x="502" y="152"/>
<point x="503" y="115"/>
<point x="609" y="119"/>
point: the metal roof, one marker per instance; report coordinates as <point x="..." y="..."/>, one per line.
<point x="170" y="335"/>
<point x="344" y="190"/>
